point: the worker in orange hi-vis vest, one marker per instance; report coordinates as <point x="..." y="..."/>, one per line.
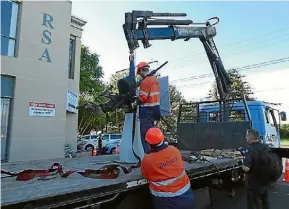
<point x="164" y="169"/>
<point x="148" y="101"/>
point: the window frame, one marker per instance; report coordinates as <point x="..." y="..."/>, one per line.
<point x="71" y="57"/>
<point x="115" y="136"/>
<point x="16" y="25"/>
<point x="105" y="137"/>
<point x="203" y="116"/>
<point x="214" y="115"/>
<point x="270" y="117"/>
<point x="93" y="136"/>
<point x="238" y="111"/>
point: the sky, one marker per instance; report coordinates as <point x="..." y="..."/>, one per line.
<point x="248" y="33"/>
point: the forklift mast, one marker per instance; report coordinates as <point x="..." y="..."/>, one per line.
<point x="137" y="28"/>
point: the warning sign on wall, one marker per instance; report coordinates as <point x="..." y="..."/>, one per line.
<point x="41" y="109"/>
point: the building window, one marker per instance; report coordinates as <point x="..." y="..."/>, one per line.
<point x="9" y="17"/>
<point x="71" y="58"/>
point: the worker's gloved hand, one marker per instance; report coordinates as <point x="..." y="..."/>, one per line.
<point x="134" y="104"/>
<point x="131" y="57"/>
<point x="242" y="150"/>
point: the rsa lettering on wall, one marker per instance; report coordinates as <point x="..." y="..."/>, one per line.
<point x="47" y="22"/>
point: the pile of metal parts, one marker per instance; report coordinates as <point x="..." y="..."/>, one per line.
<point x="202" y="156"/>
<point x="224" y="153"/>
<point x="193" y="158"/>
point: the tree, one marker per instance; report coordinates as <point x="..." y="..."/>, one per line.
<point x="284" y="131"/>
<point x="90" y="86"/>
<point x="238" y="88"/>
<point x="90" y="74"/>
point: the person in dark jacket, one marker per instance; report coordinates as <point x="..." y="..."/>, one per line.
<point x="257" y="193"/>
<point x="100" y="144"/>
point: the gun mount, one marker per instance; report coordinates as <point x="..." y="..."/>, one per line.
<point x="126" y="88"/>
<point x="126" y="94"/>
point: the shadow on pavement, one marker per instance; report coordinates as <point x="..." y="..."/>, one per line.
<point x="279" y="198"/>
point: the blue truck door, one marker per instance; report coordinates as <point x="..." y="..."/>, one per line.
<point x="257" y="118"/>
<point x="271" y="136"/>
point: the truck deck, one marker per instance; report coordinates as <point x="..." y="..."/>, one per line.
<point x="75" y="187"/>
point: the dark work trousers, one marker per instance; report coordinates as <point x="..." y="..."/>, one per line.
<point x="185" y="201"/>
<point x="257" y="199"/>
<point x="145" y="124"/>
<point x="99" y="149"/>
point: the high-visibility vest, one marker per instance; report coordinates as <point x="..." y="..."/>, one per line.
<point x="149" y="92"/>
<point x="165" y="172"/>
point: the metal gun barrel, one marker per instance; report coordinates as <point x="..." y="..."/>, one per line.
<point x="169" y="14"/>
<point x="169" y="22"/>
<point x="152" y="62"/>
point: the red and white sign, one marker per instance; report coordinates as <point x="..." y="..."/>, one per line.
<point x="41" y="109"/>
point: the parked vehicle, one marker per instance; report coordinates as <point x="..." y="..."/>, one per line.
<point x="111" y="137"/>
<point x="110" y="148"/>
<point x="89" y="142"/>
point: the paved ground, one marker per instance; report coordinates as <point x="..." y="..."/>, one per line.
<point x="279" y="198"/>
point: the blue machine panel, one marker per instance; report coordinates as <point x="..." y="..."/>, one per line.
<point x="165" y="97"/>
<point x="156" y="33"/>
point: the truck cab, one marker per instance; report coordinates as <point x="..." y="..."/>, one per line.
<point x="223" y="125"/>
<point x="264" y="118"/>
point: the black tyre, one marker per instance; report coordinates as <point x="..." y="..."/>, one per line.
<point x="89" y="147"/>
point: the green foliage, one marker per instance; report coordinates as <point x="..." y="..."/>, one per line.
<point x="90" y="74"/>
<point x="90" y="86"/>
<point x="238" y="88"/>
<point x="115" y="120"/>
<point x="284" y="131"/>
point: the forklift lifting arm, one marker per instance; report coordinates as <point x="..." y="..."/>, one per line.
<point x="136" y="29"/>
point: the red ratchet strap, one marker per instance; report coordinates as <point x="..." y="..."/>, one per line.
<point x="111" y="171"/>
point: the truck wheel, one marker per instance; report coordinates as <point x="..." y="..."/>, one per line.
<point x="136" y="201"/>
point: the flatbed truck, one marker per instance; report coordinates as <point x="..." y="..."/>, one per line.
<point x="77" y="191"/>
<point x="209" y="153"/>
<point x="219" y="169"/>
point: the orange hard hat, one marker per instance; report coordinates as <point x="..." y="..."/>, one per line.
<point x="140" y="66"/>
<point x="154" y="136"/>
